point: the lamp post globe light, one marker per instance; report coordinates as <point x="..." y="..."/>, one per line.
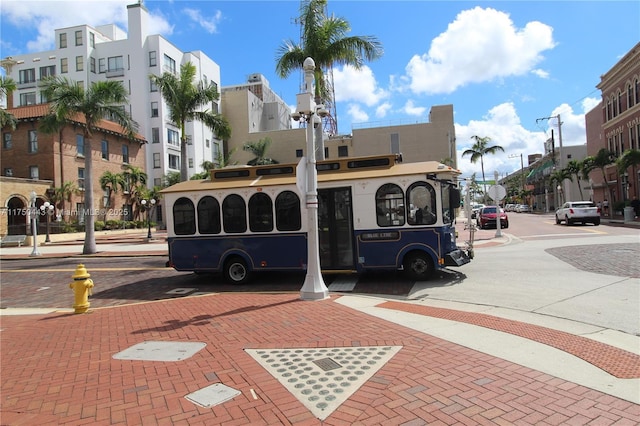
<point x="314" y="287"/>
<point x="33" y="211"/>
<point x="47" y="209"/>
<point x="147" y="205"/>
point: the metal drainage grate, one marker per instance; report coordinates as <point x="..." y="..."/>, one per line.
<point x="322" y="379"/>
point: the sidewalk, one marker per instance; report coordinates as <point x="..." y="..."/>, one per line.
<point x="245" y="358"/>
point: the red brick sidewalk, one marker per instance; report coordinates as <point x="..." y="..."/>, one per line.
<point x="59" y="369"/>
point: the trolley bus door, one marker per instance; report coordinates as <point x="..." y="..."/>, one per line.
<point x="335" y="229"/>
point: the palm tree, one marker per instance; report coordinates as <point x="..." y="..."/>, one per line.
<point x="324" y="38"/>
<point x="133" y="183"/>
<point x="62" y="194"/>
<point x="110" y="181"/>
<point x="7" y="85"/>
<point x="630" y="158"/>
<point x="68" y="100"/>
<point x="225" y="160"/>
<point x="600" y="161"/>
<point x="556" y="178"/>
<point x="574" y="168"/>
<point x="259" y="149"/>
<point x="478" y="150"/>
<point x="186" y="100"/>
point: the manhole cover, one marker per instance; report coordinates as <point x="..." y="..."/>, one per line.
<point x="323" y="378"/>
<point x="213" y="395"/>
<point x="160" y="351"/>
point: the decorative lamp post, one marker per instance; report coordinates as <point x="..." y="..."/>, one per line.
<point x="47" y="209"/>
<point x="314" y="287"/>
<point x="33" y="210"/>
<point x="147" y="205"/>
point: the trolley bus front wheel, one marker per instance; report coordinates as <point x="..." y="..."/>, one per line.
<point x="236" y="271"/>
<point x="418" y="266"/>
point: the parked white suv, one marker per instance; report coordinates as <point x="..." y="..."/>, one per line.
<point x="578" y="211"/>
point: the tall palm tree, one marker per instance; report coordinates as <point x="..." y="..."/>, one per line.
<point x="110" y="181"/>
<point x="134" y="181"/>
<point x="574" y="168"/>
<point x="7" y="85"/>
<point x="556" y="178"/>
<point x="324" y="38"/>
<point x="600" y="161"/>
<point x="63" y="194"/>
<point x="478" y="150"/>
<point x="186" y="100"/>
<point x="259" y="149"/>
<point x="630" y="158"/>
<point x="67" y="101"/>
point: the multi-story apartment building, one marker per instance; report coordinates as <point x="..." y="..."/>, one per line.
<point x="614" y="124"/>
<point x="86" y="54"/>
<point x="255" y="112"/>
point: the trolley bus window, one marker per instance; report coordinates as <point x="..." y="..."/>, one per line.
<point x="209" y="216"/>
<point x="184" y="217"/>
<point x="288" y="211"/>
<point x="423" y="197"/>
<point x="390" y="210"/>
<point x="234" y="214"/>
<point x="450" y="202"/>
<point x="260" y="213"/>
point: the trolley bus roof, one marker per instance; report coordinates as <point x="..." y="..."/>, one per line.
<point x="329" y="170"/>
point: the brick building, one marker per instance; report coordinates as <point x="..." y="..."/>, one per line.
<point x="36" y="161"/>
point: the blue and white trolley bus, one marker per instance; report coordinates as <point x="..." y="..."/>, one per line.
<point x="374" y="213"/>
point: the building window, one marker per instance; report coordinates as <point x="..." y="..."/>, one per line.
<point x="207" y="143"/>
<point x="92" y="64"/>
<point x="79" y="63"/>
<point x="102" y="65"/>
<point x="115" y="64"/>
<point x="637" y="84"/>
<point x="34" y="173"/>
<point x="63" y="40"/>
<point x="80" y="178"/>
<point x="49" y="71"/>
<point x="214" y="107"/>
<point x="326" y="152"/>
<point x="33" y="141"/>
<point x="80" y="145"/>
<point x="173" y="137"/>
<point x="105" y="149"/>
<point x="298" y="153"/>
<point x="27" y="76"/>
<point x="169" y="64"/>
<point x="64" y="65"/>
<point x="153" y="58"/>
<point x="174" y="162"/>
<point x="7" y="142"/>
<point x="125" y="154"/>
<point x="78" y="38"/>
<point x="92" y="40"/>
<point x="343" y="151"/>
<point x="154" y="109"/>
<point x="28" y="98"/>
<point x="157" y="182"/>
<point x="156" y="160"/>
<point x="153" y="86"/>
<point x="155" y="135"/>
<point x="8" y="171"/>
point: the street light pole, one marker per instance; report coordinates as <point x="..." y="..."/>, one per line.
<point x="148" y="205"/>
<point x="47" y="209"/>
<point x="33" y="210"/>
<point x="314" y="287"/>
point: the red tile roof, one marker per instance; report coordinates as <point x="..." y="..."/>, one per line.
<point x="40" y="110"/>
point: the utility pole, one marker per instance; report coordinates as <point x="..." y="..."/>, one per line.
<point x="561" y="163"/>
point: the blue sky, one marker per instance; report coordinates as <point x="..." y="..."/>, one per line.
<point x="502" y="64"/>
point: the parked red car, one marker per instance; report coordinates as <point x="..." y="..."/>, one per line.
<point x="487" y="217"/>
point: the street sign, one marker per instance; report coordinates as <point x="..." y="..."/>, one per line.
<point x="497" y="192"/>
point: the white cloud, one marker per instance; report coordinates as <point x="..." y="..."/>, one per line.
<point x="590" y="103"/>
<point x="46" y="16"/>
<point x="410" y="109"/>
<point x="540" y="73"/>
<point x="479" y="45"/>
<point x="355" y="85"/>
<point x="357" y="114"/>
<point x="383" y="109"/>
<point x="210" y="24"/>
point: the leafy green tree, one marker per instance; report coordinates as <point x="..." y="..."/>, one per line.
<point x="600" y="161"/>
<point x="259" y="149"/>
<point x="110" y="181"/>
<point x="171" y="178"/>
<point x="7" y="85"/>
<point x="479" y="149"/>
<point x="324" y="38"/>
<point x="556" y="179"/>
<point x="225" y="160"/>
<point x="630" y="158"/>
<point x="63" y="194"/>
<point x="67" y="99"/>
<point x="186" y="100"/>
<point x="134" y="180"/>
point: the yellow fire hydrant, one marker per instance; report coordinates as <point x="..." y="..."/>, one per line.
<point x="81" y="286"/>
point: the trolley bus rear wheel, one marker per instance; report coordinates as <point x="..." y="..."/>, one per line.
<point x="236" y="271"/>
<point x="418" y="266"/>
